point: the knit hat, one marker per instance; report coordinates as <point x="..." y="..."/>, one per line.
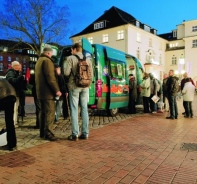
<point x="15" y="63"/>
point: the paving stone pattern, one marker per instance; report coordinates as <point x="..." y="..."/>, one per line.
<point x="141" y="148"/>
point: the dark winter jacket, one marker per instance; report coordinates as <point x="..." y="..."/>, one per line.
<point x="6" y="89"/>
<point x="132" y="89"/>
<point x="172" y="85"/>
<point x="45" y="78"/>
<point x="16" y="80"/>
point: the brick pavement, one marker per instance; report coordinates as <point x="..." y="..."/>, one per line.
<point x="145" y="148"/>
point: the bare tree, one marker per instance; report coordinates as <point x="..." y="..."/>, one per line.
<point x="34" y="22"/>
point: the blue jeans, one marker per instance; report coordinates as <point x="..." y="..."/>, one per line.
<point x="188" y="108"/>
<point x="58" y="111"/>
<point x="74" y="97"/>
<point x="173" y="106"/>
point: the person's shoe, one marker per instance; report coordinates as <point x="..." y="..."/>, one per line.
<point x="50" y="137"/>
<point x="169" y="117"/>
<point x="176" y="117"/>
<point x="186" y="116"/>
<point x="82" y="136"/>
<point x="183" y="113"/>
<point x="154" y="112"/>
<point x="73" y="138"/>
<point x="12" y="149"/>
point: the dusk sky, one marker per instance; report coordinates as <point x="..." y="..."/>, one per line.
<point x="162" y="15"/>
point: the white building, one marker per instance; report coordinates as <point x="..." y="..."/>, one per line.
<point x="159" y="53"/>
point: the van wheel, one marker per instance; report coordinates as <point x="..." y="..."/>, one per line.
<point x="113" y="112"/>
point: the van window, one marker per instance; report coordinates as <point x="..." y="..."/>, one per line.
<point x="117" y="69"/>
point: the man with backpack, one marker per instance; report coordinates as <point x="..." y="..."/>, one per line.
<point x="79" y="71"/>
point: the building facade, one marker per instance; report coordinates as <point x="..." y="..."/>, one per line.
<point x="13" y="51"/>
<point x="159" y="53"/>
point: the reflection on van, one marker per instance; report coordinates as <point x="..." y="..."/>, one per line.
<point x="110" y="86"/>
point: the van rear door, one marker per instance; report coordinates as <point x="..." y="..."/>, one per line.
<point x="88" y="52"/>
<point x="119" y="91"/>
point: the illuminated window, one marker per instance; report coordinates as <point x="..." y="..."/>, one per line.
<point x="138" y="37"/>
<point x="120" y="35"/>
<point x="9" y="59"/>
<point x="90" y="39"/>
<point x="1" y="58"/>
<point x="105" y="38"/>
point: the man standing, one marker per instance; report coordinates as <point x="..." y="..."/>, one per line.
<point x="46" y="89"/>
<point x="153" y="91"/>
<point x="76" y="93"/>
<point x="16" y="79"/>
<point x="164" y="89"/>
<point x="132" y="94"/>
<point x="7" y="101"/>
<point x="172" y="90"/>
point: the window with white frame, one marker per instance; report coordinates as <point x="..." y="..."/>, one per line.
<point x="194" y="43"/>
<point x="9" y="59"/>
<point x="146" y="28"/>
<point x="1" y="66"/>
<point x="138" y="37"/>
<point x="99" y="25"/>
<point x="174" y="33"/>
<point x="194" y="28"/>
<point x="174" y="60"/>
<point x="105" y="38"/>
<point x="137" y="24"/>
<point x="120" y="35"/>
<point x="90" y="39"/>
<point x="1" y="58"/>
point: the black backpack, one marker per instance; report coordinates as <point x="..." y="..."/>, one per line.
<point x="83" y="76"/>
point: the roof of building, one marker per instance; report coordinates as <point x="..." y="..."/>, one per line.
<point x="113" y="17"/>
<point x="167" y="36"/>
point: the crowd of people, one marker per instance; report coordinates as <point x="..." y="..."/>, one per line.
<point x="162" y="96"/>
<point x="55" y="93"/>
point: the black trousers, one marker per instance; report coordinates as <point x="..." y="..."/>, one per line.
<point x="188" y="108"/>
<point x="38" y="111"/>
<point x="7" y="104"/>
<point x="146" y="104"/>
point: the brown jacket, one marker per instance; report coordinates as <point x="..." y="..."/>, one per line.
<point x="45" y="78"/>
